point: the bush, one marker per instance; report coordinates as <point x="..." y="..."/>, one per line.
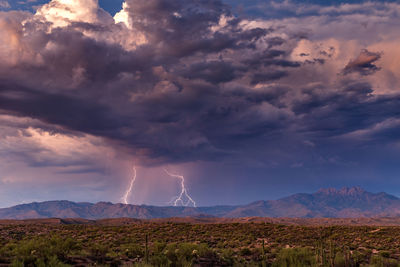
<point x="132" y="251"/>
<point x="245" y="252"/>
<point x="42" y="251"/>
<point x="99" y="252"/>
<point x="228" y="257"/>
<point x="379" y="261"/>
<point x="184" y="254"/>
<point x="295" y="257"/>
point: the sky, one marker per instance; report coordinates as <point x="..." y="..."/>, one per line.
<point x="246" y="100"/>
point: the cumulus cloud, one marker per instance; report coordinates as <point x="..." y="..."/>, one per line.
<point x="194" y="81"/>
<point x="61" y="13"/>
<point x="106" y="90"/>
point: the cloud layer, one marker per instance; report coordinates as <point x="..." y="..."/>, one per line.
<point x="178" y="82"/>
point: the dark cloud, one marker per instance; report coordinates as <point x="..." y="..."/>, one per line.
<point x="201" y="86"/>
<point x="166" y="96"/>
<point x="348" y="110"/>
<point x="269" y="76"/>
<point x="73" y="113"/>
<point x="213" y="71"/>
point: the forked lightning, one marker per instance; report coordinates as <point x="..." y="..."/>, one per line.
<point x="184" y="194"/>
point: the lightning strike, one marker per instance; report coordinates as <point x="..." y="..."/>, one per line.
<point x="180" y="198"/>
<point x="129" y="190"/>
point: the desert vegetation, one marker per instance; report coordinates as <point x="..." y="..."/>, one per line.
<point x="188" y="244"/>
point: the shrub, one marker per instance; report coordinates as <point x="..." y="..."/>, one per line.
<point x="295" y="257"/>
<point x="132" y="251"/>
<point x="42" y="251"/>
<point x="99" y="252"/>
<point x="245" y="252"/>
<point x="379" y="261"/>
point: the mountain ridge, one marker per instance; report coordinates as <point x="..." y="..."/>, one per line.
<point x="325" y="203"/>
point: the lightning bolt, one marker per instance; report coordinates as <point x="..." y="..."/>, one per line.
<point x="129" y="190"/>
<point x="180" y="198"/>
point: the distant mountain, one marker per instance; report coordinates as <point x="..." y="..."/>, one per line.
<point x="101" y="210"/>
<point x="331" y="203"/>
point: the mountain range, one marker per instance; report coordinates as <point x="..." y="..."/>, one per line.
<point x="347" y="202"/>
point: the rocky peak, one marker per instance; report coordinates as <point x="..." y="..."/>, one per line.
<point x="345" y="191"/>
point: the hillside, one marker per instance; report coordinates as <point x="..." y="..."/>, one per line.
<point x="330" y="203"/>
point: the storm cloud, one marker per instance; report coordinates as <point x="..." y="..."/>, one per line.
<point x="180" y="82"/>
